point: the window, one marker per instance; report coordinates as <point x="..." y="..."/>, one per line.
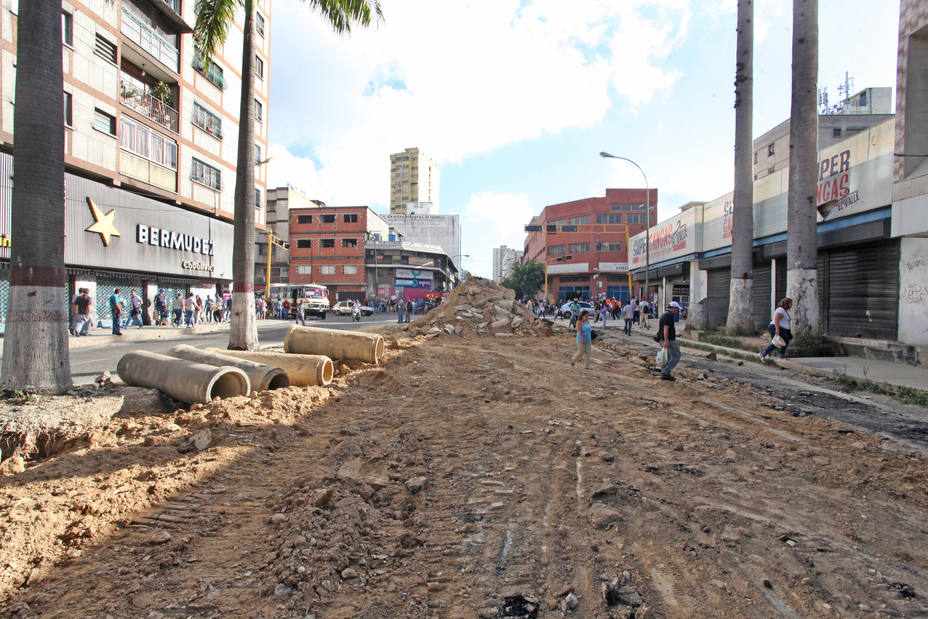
<point x="608" y="219"/>
<point x="636" y="218"/>
<point x="259" y="67"/>
<point x="627" y="207"/>
<point x="67" y="29"/>
<point x="207" y="121"/>
<point x="327" y="269"/>
<point x="206" y="174"/>
<point x="351" y="218"/>
<point x="258" y="158"/>
<point x="863" y="99"/>
<point x="105" y="49"/>
<point x="328" y="219"/>
<point x="304" y="219"/>
<point x="68" y="114"/>
<point x="770" y="150"/>
<point x="556" y="250"/>
<point x="585" y="219"/>
<point x="327" y="243"/>
<point x="304" y="243"/>
<point x="557" y="222"/>
<point x="771" y="170"/>
<point x="104" y="122"/>
<point x="350" y="269"/>
<point x="257" y="198"/>
<point x="578" y="248"/>
<point x="835" y="133"/>
<point x="259" y="23"/>
<point x="148" y="143"/>
<point x="609" y="246"/>
<point x="755" y="156"/>
<point x="211" y="71"/>
<point x="349" y="242"/>
<point x="259" y="112"/>
<point x="304" y="269"/>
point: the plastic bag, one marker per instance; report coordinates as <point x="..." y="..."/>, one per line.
<point x="778" y="341"/>
<point x="661" y="357"/>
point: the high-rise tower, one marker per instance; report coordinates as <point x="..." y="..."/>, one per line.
<point x="413" y="178"/>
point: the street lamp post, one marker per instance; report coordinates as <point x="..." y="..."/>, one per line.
<point x="453" y="261"/>
<point x="647" y="198"/>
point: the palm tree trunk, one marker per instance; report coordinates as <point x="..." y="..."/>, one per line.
<point x="741" y="305"/>
<point x="243" y="331"/>
<point x="801" y="243"/>
<point x="35" y="351"/>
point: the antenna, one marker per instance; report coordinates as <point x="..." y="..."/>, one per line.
<point x="846" y="89"/>
<point x="823" y="100"/>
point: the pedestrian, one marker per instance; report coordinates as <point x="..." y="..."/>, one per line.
<point x="644" y="311"/>
<point x="178" y="310"/>
<point x="668" y="333"/>
<point x="780" y="325"/>
<point x="604" y="312"/>
<point x="189" y="309"/>
<point x="574" y="313"/>
<point x="135" y="309"/>
<point x="628" y="313"/>
<point x="228" y="309"/>
<point x="408" y="309"/>
<point x="81" y="312"/>
<point x="399" y="312"/>
<point x="208" y="308"/>
<point x="616" y="309"/>
<point x="584" y="339"/>
<point x="161" y="309"/>
<point x="300" y="313"/>
<point x="116" y="311"/>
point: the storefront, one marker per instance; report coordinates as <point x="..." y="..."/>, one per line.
<point x="674" y="244"/>
<point x="117" y="239"/>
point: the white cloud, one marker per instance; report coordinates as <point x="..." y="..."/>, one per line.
<point x="455" y="79"/>
<point x="490" y="220"/>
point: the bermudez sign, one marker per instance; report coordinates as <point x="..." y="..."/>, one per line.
<point x="173" y="240"/>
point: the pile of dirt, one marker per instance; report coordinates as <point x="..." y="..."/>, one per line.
<point x="480" y="307"/>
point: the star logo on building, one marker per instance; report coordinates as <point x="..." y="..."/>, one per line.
<point x="102" y="224"/>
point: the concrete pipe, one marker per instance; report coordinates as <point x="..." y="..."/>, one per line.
<point x="367" y="347"/>
<point x="304" y="370"/>
<point x="262" y="376"/>
<point x="183" y="380"/>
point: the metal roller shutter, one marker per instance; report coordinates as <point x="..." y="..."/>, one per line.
<point x="718" y="297"/>
<point x="761" y="296"/>
<point x="862" y="291"/>
<point x="4" y="295"/>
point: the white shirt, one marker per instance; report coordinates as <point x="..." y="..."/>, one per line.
<point x="784" y="318"/>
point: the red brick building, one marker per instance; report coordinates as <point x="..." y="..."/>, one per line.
<point x="585" y="243"/>
<point x="327" y="247"/>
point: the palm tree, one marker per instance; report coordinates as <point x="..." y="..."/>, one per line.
<point x="214" y="17"/>
<point x="35" y="351"/>
<point x="801" y="242"/>
<point x="740" y="304"/>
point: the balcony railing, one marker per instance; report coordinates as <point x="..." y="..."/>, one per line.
<point x="135" y="97"/>
<point x="142" y="35"/>
<point x="175" y="5"/>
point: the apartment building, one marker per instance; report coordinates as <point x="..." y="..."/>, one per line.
<point x="503" y="259"/>
<point x="585" y="243"/>
<point x="150" y="145"/>
<point x="327" y="246"/>
<point x="441" y="230"/>
<point x="413" y="178"/>
<point x="279" y="202"/>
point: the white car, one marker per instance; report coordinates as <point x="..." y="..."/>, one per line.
<point x="584" y="305"/>
<point x="346" y="308"/>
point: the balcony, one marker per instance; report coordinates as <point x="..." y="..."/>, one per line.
<point x="135" y="95"/>
<point x="142" y="35"/>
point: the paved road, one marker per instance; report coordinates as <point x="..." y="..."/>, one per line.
<point x="88" y="362"/>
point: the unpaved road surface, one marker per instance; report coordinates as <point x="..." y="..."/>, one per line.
<point x="467" y="472"/>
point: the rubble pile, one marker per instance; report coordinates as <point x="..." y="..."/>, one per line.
<point x="480" y="307"/>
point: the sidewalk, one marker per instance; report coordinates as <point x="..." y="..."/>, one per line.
<point x="861" y="368"/>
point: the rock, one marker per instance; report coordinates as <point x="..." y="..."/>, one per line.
<point x="103" y="378"/>
<point x="13" y="465"/>
<point x="323" y="497"/>
<point x="503" y="334"/>
<point x="202" y="439"/>
<point x="516" y="322"/>
<point x="624" y="595"/>
<point x="278" y="518"/>
<point x="572" y="601"/>
<point x="482" y="325"/>
<point x="434" y="330"/>
<point x="712" y="356"/>
<point x="416" y="484"/>
<point x="282" y="591"/>
<point x="348" y="573"/>
<point x="488" y="613"/>
<point x="196" y="406"/>
<point x="449" y="329"/>
<point x="463" y="308"/>
<point x="602" y="516"/>
<point x="500" y="324"/>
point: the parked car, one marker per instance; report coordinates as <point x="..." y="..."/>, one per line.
<point x="345" y="308"/>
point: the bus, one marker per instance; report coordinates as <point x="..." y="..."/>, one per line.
<point x="314" y="296"/>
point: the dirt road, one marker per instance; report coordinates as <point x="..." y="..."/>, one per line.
<point x="485" y="477"/>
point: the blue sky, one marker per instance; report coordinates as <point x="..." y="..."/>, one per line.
<point x="515" y="98"/>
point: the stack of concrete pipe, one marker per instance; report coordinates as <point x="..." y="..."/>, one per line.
<point x="263" y="376"/>
<point x="303" y="370"/>
<point x="183" y="380"/>
<point x="367" y="347"/>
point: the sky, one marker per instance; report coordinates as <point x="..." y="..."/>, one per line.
<point x="514" y="99"/>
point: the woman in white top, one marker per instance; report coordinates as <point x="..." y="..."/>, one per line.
<point x="779" y="326"/>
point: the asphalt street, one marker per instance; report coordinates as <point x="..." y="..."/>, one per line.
<point x="88" y="363"/>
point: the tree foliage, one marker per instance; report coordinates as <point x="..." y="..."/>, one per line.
<point x="526" y="279"/>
